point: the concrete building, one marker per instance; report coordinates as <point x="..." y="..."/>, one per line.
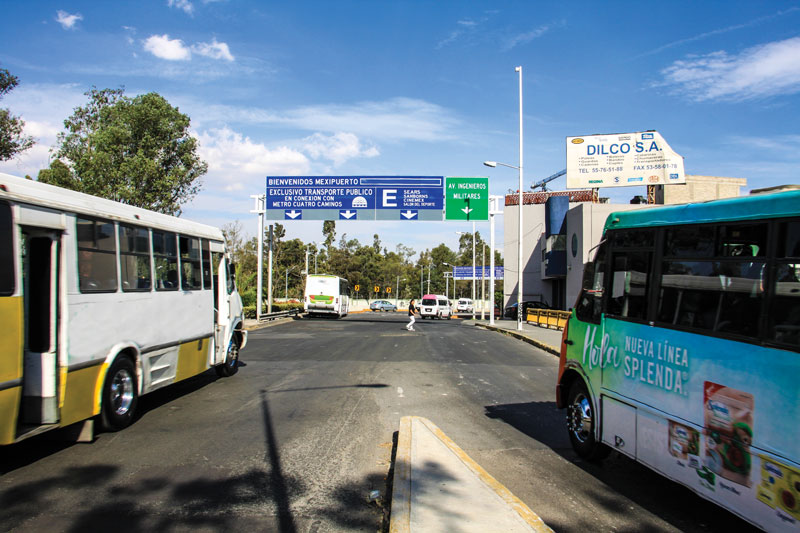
<point x="562" y="228"/>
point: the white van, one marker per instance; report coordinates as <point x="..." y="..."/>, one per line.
<point x="464" y="305"/>
<point x="435" y="306"/>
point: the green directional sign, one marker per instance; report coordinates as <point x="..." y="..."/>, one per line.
<point x="466" y="199"/>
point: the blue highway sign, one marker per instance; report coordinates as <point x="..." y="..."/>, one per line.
<point x="355" y="197"/>
<point x="465" y="272"/>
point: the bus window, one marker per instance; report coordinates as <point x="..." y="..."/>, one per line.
<point x="712" y="295"/>
<point x="165" y="255"/>
<point x="134" y="252"/>
<point x="742" y="240"/>
<point x="629" y="275"/>
<point x="6" y="251"/>
<point x="788" y="239"/>
<point x="97" y="256"/>
<point x="589" y="306"/>
<point x="784" y="312"/>
<point x="191" y="272"/>
<point x="206" y="265"/>
<point x="690" y="241"/>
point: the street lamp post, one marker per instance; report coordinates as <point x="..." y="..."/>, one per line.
<point x="397" y="292"/>
<point x="519" y="232"/>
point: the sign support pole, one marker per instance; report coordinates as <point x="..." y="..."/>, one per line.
<point x="269" y="275"/>
<point x="260" y="201"/>
<point x="493" y="210"/>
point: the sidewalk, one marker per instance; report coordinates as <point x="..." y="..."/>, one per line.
<point x="439" y="488"/>
<point x="546" y="339"/>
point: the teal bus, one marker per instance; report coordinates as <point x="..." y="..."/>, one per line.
<point x="682" y="351"/>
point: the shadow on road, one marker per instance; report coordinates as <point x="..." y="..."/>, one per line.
<point x="543" y="422"/>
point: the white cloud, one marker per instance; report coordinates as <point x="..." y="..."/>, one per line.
<point x="165" y="48"/>
<point x="67" y="20"/>
<point x="396" y="119"/>
<point x="185" y="5"/>
<point x="339" y="147"/>
<point x="761" y="71"/>
<point x="214" y="50"/>
<point x="237" y="163"/>
<point x="526" y="37"/>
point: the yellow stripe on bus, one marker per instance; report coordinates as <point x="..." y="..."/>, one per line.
<point x="192" y="359"/>
<point x="82" y="393"/>
<point x="10" y="365"/>
<point x="11" y="339"/>
<point x="9" y="406"/>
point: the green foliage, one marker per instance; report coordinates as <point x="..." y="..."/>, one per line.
<point x="12" y="141"/>
<point x="365" y="265"/>
<point x="133" y="150"/>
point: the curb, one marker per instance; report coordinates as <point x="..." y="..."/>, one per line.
<point x="276" y="322"/>
<point x="539" y="344"/>
<point x="400" y="521"/>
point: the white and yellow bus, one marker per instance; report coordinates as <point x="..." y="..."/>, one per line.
<point x="101" y="302"/>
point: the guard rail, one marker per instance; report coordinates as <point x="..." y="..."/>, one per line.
<point x="548" y="318"/>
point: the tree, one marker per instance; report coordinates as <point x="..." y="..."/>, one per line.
<point x="134" y="150"/>
<point x="12" y="141"/>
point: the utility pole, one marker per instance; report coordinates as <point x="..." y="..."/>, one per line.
<point x="483" y="280"/>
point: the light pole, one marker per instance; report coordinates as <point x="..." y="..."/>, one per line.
<point x="447" y="280"/>
<point x="493" y="210"/>
<point x="286" y="289"/>
<point x="519" y="233"/>
<point x="397" y="292"/>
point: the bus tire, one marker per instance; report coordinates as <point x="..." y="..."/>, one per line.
<point x="581" y="424"/>
<point x="120" y="395"/>
<point x="231" y="364"/>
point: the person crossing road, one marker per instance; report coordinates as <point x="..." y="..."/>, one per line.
<point x="411" y="310"/>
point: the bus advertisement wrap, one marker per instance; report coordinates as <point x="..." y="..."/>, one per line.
<point x="682" y="351"/>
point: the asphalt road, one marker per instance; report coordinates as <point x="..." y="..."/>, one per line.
<point x="301" y="435"/>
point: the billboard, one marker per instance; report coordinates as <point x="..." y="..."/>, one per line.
<point x="622" y="160"/>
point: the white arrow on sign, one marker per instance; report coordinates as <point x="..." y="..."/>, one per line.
<point x="348" y="214"/>
<point x="467" y="210"/>
<point x="293" y="214"/>
<point x="408" y="214"/>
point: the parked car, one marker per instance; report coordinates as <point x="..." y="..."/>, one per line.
<point x="511" y="310"/>
<point x="382" y="305"/>
<point x="464" y="305"/>
<point x="435" y="306"/>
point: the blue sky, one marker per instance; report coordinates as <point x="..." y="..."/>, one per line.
<point x="418" y="88"/>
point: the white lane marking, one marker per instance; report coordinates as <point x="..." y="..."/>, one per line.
<point x="400" y="392"/>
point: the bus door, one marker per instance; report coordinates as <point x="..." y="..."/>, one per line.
<point x="40" y="266"/>
<point x="222" y="304"/>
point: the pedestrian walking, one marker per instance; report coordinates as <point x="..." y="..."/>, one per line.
<point x="411" y="310"/>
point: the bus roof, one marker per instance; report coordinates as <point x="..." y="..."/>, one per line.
<point x="32" y="192"/>
<point x="754" y="207"/>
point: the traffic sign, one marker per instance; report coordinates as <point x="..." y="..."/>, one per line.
<point x="355" y="197"/>
<point x="466" y="199"/>
<point x="377" y="288"/>
<point x="356" y="287"/>
<point x="388" y="290"/>
<point x="466" y="272"/>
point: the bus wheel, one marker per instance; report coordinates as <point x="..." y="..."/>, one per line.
<point x="120" y="395"/>
<point x="581" y="423"/>
<point x="231" y="364"/>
